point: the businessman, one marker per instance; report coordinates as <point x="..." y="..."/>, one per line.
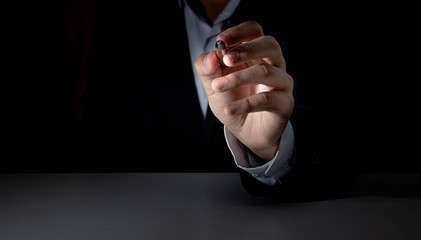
<point x="159" y="98"/>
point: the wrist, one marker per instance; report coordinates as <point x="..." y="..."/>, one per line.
<point x="267" y="153"/>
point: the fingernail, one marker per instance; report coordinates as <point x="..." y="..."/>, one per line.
<point x="225" y="36"/>
<point x="234" y="55"/>
<point x="231" y="109"/>
<point x="219" y="84"/>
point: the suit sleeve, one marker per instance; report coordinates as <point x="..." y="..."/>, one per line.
<point x="267" y="172"/>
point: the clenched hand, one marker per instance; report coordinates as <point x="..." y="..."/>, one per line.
<point x="252" y="94"/>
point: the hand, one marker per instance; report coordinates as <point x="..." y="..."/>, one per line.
<point x="252" y="95"/>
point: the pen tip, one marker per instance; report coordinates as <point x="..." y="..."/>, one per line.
<point x="220" y="44"/>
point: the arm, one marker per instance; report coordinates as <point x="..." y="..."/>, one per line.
<point x="269" y="173"/>
<point x="253" y="98"/>
<point x="251" y="94"/>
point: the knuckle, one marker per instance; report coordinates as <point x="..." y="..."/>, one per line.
<point x="260" y="101"/>
<point x="247" y="49"/>
<point x="271" y="42"/>
<point x="265" y="99"/>
<point x="248" y="105"/>
<point x="265" y="70"/>
<point x="256" y="26"/>
<point x="291" y="100"/>
<point x="289" y="106"/>
<point x="235" y="80"/>
<point x="290" y="81"/>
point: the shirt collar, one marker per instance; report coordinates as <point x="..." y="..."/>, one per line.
<point x="228" y="11"/>
<point x="224" y="15"/>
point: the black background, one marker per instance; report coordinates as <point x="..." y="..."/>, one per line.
<point x="365" y="56"/>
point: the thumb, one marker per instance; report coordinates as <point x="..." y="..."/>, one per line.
<point x="207" y="66"/>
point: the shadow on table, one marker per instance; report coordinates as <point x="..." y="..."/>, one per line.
<point x="385" y="184"/>
<point x="382" y="184"/>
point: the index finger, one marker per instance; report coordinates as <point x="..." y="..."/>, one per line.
<point x="241" y="33"/>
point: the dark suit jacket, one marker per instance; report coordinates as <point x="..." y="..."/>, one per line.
<point x="345" y="62"/>
<point x="140" y="106"/>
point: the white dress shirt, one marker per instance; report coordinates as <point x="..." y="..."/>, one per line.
<point x="202" y="37"/>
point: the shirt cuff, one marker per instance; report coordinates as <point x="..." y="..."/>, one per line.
<point x="271" y="172"/>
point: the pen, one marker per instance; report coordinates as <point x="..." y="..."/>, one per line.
<point x="221" y="50"/>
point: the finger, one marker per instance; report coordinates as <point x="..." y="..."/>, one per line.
<point x="258" y="74"/>
<point x="207" y="66"/>
<point x="241" y="33"/>
<point x="265" y="47"/>
<point x="280" y="102"/>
